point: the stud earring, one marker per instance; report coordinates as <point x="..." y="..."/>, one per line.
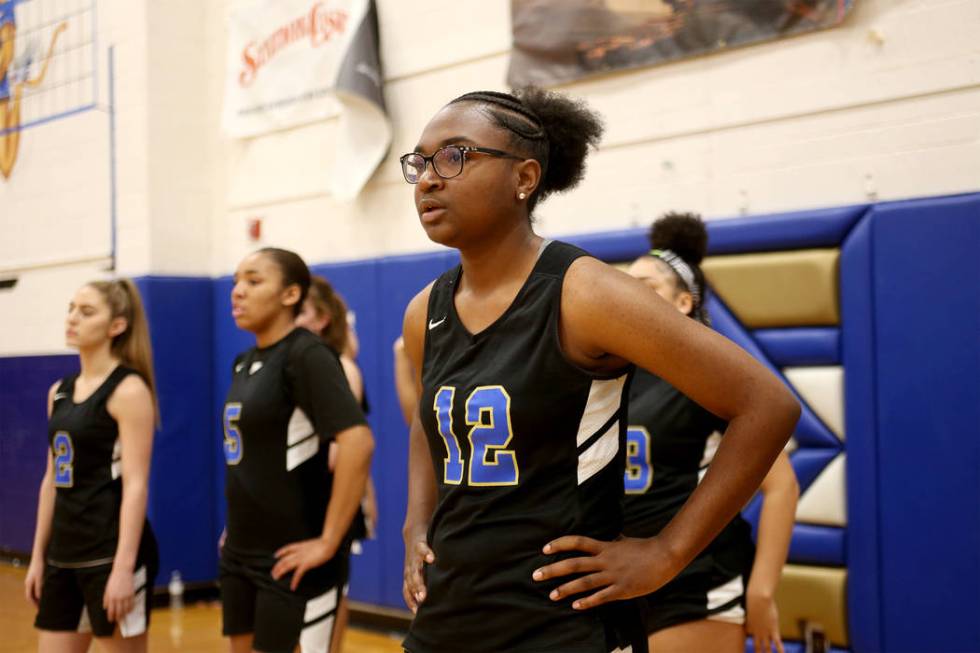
<point x="522" y="195"/>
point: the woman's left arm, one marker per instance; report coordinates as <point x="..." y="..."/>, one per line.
<point x="131" y="405"/>
<point x="608" y="319"/>
<point x="779" y="494"/>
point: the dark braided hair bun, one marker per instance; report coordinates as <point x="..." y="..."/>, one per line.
<point x="682" y="233"/>
<point x="571" y="128"/>
<point x="550" y="127"/>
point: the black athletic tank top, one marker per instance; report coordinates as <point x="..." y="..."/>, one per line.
<point x="670" y="442"/>
<point x="526" y="447"/>
<point x="84" y="444"/>
<point x="286" y="403"/>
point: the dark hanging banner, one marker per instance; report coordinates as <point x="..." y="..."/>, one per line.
<point x="558" y="41"/>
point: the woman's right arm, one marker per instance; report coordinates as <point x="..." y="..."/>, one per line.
<point x="42" y="532"/>
<point x="422" y="492"/>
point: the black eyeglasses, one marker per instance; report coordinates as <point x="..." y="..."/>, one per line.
<point x="446" y="161"/>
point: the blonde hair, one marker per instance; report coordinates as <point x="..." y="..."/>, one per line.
<point x="132" y="346"/>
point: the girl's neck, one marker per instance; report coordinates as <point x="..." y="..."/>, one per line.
<point x="97" y="362"/>
<point x="279" y="328"/>
<point x="512" y="254"/>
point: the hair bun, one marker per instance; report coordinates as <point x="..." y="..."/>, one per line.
<point x="572" y="129"/>
<point x="682" y="233"/>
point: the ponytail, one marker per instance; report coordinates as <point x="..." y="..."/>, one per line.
<point x="328" y="303"/>
<point x="132" y="346"/>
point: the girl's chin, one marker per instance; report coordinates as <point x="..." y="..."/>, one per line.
<point x="439" y="234"/>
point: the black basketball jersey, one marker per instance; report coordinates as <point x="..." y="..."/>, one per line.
<point x="87" y="464"/>
<point x="285" y="404"/>
<point x="526" y="447"/>
<point x="670" y="442"/>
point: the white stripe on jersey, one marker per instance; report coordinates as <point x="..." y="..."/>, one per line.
<point x="300" y="427"/>
<point x="300" y="439"/>
<point x="115" y="468"/>
<point x="604" y="400"/>
<point x="298" y="454"/>
<point x="601" y="453"/>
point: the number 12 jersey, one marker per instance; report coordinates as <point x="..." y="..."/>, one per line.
<point x="526" y="447"/>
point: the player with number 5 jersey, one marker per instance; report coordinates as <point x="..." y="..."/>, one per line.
<point x="288" y="515"/>
<point x="94" y="557"/>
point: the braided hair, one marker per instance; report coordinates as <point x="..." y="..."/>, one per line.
<point x="549" y="127"/>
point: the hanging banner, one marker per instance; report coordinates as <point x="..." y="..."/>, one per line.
<point x="291" y="62"/>
<point x="558" y="41"/>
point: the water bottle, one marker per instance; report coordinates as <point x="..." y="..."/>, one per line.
<point x="176" y="590"/>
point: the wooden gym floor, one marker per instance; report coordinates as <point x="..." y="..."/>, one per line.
<point x="195" y="629"/>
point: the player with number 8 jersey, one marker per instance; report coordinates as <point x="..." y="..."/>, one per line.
<point x="533" y="449"/>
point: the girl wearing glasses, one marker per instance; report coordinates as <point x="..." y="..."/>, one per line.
<point x="95" y="557"/>
<point x="523" y="353"/>
<point x="727" y="592"/>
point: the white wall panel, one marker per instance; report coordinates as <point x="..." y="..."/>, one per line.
<point x="886" y="106"/>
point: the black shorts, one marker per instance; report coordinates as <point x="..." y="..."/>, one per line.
<point x="278" y="618"/>
<point x="71" y="598"/>
<point x="704" y="590"/>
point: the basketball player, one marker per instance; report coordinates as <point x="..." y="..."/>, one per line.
<point x="524" y="352"/>
<point x="94" y="557"/>
<point x="287" y="514"/>
<point x="670" y="442"/>
<point x="325" y="313"/>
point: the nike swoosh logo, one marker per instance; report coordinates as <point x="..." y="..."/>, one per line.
<point x="433" y="324"/>
<point x="256" y="366"/>
<point x="59" y="395"/>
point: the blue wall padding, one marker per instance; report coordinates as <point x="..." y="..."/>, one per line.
<point x="811" y="544"/>
<point x="819" y="545"/>
<point x="613" y="246"/>
<point x="797" y="230"/>
<point x="24" y="385"/>
<point x="927" y="327"/>
<point x="808" y="463"/>
<point x="181" y="503"/>
<point x="861" y="425"/>
<point x="810" y="431"/>
<point x="783" y="231"/>
<point x="794" y="647"/>
<point x="800" y="346"/>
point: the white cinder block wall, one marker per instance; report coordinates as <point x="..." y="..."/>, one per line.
<point x="884" y="107"/>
